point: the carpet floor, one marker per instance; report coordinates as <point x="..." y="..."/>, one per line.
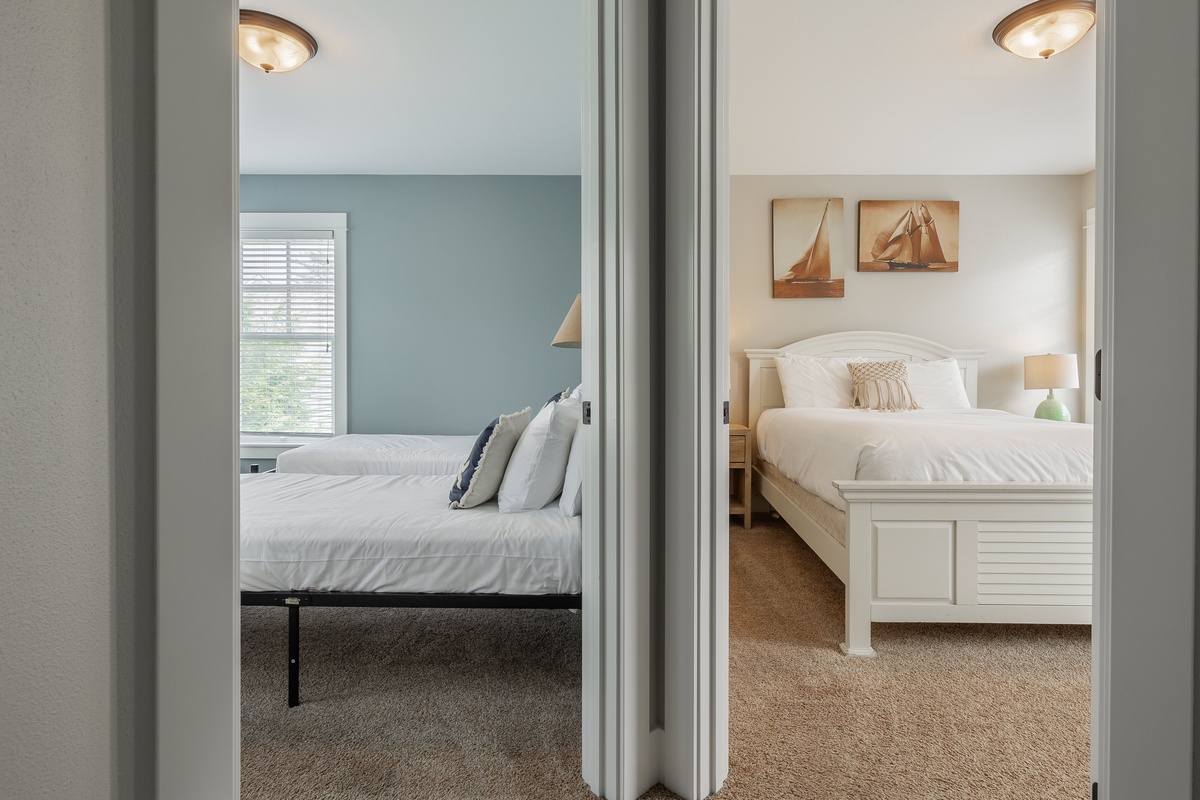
<point x="423" y="703"/>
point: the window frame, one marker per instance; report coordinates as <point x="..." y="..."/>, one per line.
<point x="267" y="446"/>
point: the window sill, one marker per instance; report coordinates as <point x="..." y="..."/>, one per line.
<point x="273" y="446"/>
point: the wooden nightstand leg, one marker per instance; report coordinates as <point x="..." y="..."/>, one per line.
<point x="747" y="497"/>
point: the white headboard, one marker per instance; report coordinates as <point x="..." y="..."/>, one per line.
<point x="765" y="391"/>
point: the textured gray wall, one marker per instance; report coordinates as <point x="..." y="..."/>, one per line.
<point x="456" y="286"/>
<point x="56" y="405"/>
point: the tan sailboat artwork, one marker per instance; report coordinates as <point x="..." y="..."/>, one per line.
<point x="908" y="235"/>
<point x="807" y="240"/>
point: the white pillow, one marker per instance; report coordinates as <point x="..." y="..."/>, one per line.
<point x="571" y="502"/>
<point x="538" y="466"/>
<point x="812" y="382"/>
<point x="937" y="384"/>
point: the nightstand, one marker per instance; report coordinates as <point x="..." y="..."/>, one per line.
<point x="740" y="461"/>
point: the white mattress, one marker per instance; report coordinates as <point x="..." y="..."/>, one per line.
<point x="383" y="533"/>
<point x="379" y="454"/>
<point x="815" y="447"/>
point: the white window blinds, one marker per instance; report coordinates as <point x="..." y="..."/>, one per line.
<point x="289" y="325"/>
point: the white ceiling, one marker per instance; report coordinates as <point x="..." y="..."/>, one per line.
<point x="473" y="87"/>
<point x="878" y="87"/>
<point x="835" y="87"/>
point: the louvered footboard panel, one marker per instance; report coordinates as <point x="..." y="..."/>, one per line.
<point x="1035" y="563"/>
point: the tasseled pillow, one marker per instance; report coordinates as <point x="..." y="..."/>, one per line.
<point x="881" y="385"/>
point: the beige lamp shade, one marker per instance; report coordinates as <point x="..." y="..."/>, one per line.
<point x="570" y="333"/>
<point x="1044" y="28"/>
<point x="271" y="43"/>
<point x="1052" y="371"/>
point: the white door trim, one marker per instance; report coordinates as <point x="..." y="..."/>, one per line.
<point x="1145" y="576"/>
<point x="198" y="695"/>
<point x="696" y="380"/>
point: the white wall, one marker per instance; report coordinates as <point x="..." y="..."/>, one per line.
<point x="1017" y="292"/>
<point x="56" y="526"/>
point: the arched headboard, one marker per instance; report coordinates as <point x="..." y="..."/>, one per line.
<point x="765" y="391"/>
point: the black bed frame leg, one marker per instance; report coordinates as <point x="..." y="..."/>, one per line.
<point x="293" y="656"/>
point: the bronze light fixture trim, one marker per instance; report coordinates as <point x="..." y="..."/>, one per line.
<point x="1045" y="28"/>
<point x="271" y="43"/>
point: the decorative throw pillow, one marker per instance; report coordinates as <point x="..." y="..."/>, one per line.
<point x="571" y="503"/>
<point x="937" y="384"/>
<point x="881" y="385"/>
<point x="481" y="474"/>
<point x="812" y="382"/>
<point x="554" y="398"/>
<point x="538" y="466"/>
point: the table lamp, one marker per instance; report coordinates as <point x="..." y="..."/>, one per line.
<point x="1052" y="371"/>
<point x="570" y="333"/>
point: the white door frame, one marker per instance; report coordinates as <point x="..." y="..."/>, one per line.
<point x="198" y="692"/>
<point x="1145" y="552"/>
<point x="619" y="742"/>
<point x="655" y="249"/>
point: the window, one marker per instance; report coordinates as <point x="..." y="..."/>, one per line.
<point x="293" y="340"/>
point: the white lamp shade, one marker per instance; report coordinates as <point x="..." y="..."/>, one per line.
<point x="1052" y="371"/>
<point x="570" y="333"/>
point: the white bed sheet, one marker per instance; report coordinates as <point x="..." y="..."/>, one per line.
<point x="815" y="447"/>
<point x="382" y="533"/>
<point x="379" y="454"/>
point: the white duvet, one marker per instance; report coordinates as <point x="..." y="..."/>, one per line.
<point x="379" y="454"/>
<point x="816" y="446"/>
<point x="383" y="533"/>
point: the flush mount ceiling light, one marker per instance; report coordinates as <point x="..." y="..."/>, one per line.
<point x="1044" y="28"/>
<point x="273" y="44"/>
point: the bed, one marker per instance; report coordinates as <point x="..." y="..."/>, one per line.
<point x="929" y="550"/>
<point x="378" y="454"/>
<point x="391" y="540"/>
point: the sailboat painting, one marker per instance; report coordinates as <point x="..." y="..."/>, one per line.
<point x="808" y="242"/>
<point x="908" y="236"/>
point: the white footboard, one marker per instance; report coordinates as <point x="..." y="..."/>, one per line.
<point x="931" y="551"/>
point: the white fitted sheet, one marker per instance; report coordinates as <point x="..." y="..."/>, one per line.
<point x="815" y="447"/>
<point x="379" y="454"/>
<point x="395" y="533"/>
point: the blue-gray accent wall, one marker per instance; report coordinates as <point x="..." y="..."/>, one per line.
<point x="456" y="285"/>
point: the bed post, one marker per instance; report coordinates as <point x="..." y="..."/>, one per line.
<point x="293" y="653"/>
<point x="860" y="580"/>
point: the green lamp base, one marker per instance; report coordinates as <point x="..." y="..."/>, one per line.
<point x="1052" y="408"/>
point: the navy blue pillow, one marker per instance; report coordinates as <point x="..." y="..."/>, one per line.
<point x="554" y="398"/>
<point x="467" y="471"/>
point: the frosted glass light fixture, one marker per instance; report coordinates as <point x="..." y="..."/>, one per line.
<point x="1052" y="371"/>
<point x="570" y="333"/>
<point x="271" y="43"/>
<point x="1044" y="28"/>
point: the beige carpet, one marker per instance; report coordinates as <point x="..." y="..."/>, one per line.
<point x="413" y="703"/>
<point x="400" y="703"/>
<point x="943" y="711"/>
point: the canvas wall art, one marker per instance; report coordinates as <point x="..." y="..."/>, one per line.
<point x="908" y="236"/>
<point x="808" y="241"/>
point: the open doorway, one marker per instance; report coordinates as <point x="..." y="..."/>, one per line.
<point x="410" y="243"/>
<point x="994" y="144"/>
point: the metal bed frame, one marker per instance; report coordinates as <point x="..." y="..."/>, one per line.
<point x="293" y="601"/>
